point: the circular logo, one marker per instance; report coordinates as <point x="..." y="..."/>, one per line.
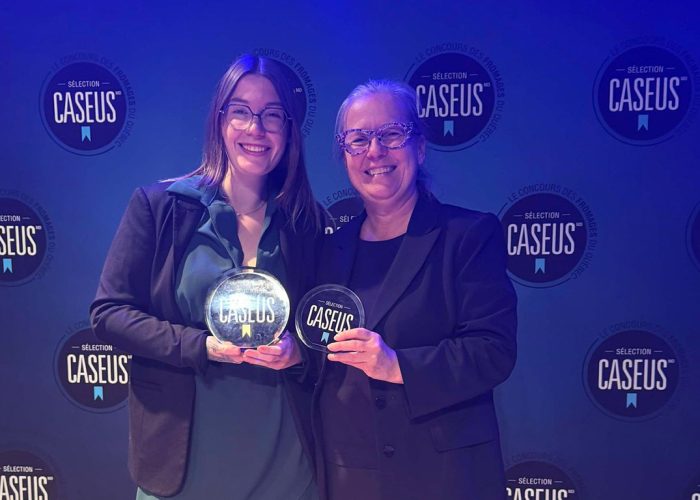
<point x="459" y="97"/>
<point x="537" y="479"/>
<point x="643" y="94"/>
<point x="632" y="374"/>
<point x="693" y="235"/>
<point x="300" y="82"/>
<point x="88" y="106"/>
<point x="325" y="311"/>
<point x="27" y="239"/>
<point x="25" y="475"/>
<point x="342" y="207"/>
<point x="247" y="307"/>
<point x="550" y="235"/>
<point x="91" y="373"/>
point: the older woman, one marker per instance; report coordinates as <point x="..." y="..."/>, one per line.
<point x="208" y="420"/>
<point x="404" y="407"/>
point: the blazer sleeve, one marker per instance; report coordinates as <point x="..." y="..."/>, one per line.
<point x="481" y="352"/>
<point x="122" y="311"/>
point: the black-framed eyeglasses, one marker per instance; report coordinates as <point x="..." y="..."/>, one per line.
<point x="393" y="135"/>
<point x="240" y="116"/>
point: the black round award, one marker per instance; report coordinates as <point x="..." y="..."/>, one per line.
<point x="247" y="307"/>
<point x="325" y="311"/>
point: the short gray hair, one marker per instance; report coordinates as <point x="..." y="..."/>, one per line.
<point x="406" y="99"/>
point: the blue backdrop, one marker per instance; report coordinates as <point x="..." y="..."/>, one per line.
<point x="586" y="114"/>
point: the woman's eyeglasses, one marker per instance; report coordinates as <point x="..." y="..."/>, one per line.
<point x="392" y="135"/>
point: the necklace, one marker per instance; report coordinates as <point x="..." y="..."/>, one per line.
<point x="248" y="212"/>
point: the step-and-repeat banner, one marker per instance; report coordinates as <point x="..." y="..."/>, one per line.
<point x="577" y="126"/>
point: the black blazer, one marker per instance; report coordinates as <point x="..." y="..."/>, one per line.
<point x="135" y="309"/>
<point x="448" y="308"/>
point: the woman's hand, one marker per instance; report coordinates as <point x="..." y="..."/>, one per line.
<point x="366" y="351"/>
<point x="279" y="356"/>
<point x="224" y="352"/>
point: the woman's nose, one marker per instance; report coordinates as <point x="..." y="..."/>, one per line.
<point x="375" y="148"/>
<point x="255" y="127"/>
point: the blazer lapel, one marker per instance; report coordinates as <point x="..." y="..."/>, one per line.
<point x="186" y="216"/>
<point x="338" y="257"/>
<point x="422" y="233"/>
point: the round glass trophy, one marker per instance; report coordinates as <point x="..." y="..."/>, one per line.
<point x="325" y="311"/>
<point x="247" y="307"/>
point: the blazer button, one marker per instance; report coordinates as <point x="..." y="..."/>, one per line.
<point x="388" y="450"/>
<point x="380" y="402"/>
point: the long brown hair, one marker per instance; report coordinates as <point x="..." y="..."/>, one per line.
<point x="289" y="178"/>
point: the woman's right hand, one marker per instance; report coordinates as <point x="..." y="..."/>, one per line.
<point x="224" y="352"/>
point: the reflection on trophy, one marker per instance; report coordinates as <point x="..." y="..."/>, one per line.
<point x="247" y="307"/>
<point x="325" y="311"/>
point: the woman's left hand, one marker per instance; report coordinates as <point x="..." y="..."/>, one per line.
<point x="366" y="351"/>
<point x="279" y="356"/>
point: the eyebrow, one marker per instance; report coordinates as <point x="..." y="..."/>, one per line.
<point x="243" y="101"/>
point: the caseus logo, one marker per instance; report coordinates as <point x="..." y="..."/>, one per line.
<point x="644" y="94"/>
<point x="24" y="475"/>
<point x="92" y="374"/>
<point x="633" y="372"/>
<point x="460" y="95"/>
<point x="536" y="479"/>
<point x="550" y="234"/>
<point x="26" y="239"/>
<point x="87" y="104"/>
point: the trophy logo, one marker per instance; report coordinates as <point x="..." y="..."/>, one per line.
<point x="325" y="311"/>
<point x="247" y="307"/>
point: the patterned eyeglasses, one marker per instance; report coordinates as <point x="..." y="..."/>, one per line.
<point x="239" y="116"/>
<point x="394" y="135"/>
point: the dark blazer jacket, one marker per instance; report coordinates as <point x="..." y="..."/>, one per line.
<point x="449" y="310"/>
<point x="135" y="309"/>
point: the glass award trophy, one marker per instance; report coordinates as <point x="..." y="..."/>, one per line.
<point x="247" y="307"/>
<point x="325" y="311"/>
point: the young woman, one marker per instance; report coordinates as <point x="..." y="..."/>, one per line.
<point x="207" y="419"/>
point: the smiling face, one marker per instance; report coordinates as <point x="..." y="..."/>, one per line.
<point x="384" y="178"/>
<point x="254" y="152"/>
